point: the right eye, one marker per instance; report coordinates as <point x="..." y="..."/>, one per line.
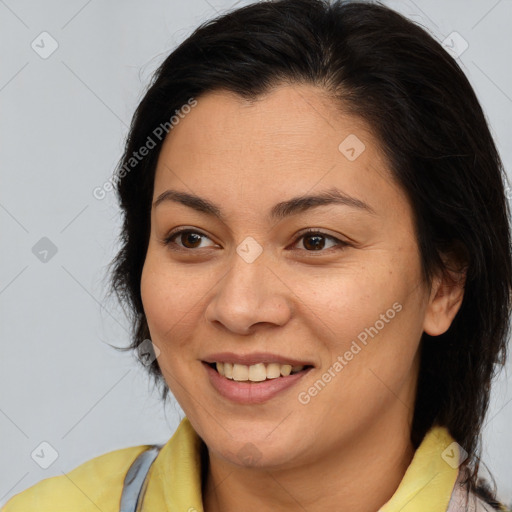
<point x="189" y="238"/>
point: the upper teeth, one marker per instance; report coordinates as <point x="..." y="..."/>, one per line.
<point x="256" y="372"/>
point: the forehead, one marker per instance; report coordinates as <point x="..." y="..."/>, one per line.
<point x="291" y="141"/>
<point x="288" y="121"/>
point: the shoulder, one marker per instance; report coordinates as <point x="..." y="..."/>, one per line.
<point x="94" y="485"/>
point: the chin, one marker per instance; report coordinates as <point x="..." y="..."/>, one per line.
<point x="257" y="451"/>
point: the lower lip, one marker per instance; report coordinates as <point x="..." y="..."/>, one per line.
<point x="251" y="392"/>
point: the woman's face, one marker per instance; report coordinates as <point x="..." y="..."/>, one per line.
<point x="247" y="285"/>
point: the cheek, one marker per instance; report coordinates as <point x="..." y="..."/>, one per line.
<point x="352" y="301"/>
<point x="370" y="317"/>
<point x="369" y="357"/>
<point x="167" y="297"/>
<point x="154" y="294"/>
<point x="169" y="309"/>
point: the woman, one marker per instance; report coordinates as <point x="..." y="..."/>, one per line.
<point x="316" y="254"/>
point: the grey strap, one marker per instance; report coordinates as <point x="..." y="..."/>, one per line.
<point x="135" y="481"/>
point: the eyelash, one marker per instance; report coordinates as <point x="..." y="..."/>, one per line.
<point x="310" y="231"/>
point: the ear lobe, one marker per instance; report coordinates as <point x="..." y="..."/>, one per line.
<point x="445" y="301"/>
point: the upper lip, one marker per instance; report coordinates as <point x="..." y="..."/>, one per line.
<point x="254" y="358"/>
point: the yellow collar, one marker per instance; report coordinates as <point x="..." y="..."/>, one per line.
<point x="429" y="480"/>
<point x="175" y="479"/>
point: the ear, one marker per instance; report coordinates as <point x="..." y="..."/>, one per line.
<point x="445" y="298"/>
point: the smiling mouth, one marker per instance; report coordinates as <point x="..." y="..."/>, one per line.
<point x="257" y="372"/>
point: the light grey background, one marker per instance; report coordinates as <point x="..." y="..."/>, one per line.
<point x="63" y="123"/>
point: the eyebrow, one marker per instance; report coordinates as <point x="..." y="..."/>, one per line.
<point x="279" y="211"/>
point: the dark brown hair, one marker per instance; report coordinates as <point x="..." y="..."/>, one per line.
<point x="391" y="73"/>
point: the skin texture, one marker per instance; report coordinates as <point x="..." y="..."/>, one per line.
<point x="201" y="297"/>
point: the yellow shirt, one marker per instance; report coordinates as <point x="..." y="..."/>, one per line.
<point x="175" y="480"/>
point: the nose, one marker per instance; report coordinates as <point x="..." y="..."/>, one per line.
<point x="249" y="294"/>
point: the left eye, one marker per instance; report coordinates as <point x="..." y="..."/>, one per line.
<point x="313" y="240"/>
